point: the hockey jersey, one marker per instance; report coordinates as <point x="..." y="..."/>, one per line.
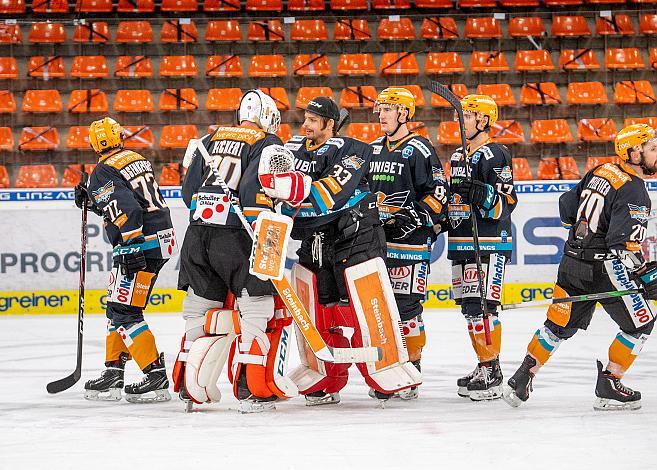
<point x="235" y="154"/>
<point x="407" y="173"/>
<point x="490" y="164"/>
<point x="124" y="187"/>
<point x="338" y="169"/>
<point x="607" y="210"/>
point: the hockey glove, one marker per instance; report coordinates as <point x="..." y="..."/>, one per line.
<point x="647" y="278"/>
<point x="477" y="193"/>
<point x="291" y="186"/>
<point x="404" y="223"/>
<point x="132" y="260"/>
<point x="82" y="195"/>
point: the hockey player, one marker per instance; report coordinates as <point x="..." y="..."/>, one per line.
<point x="122" y="189"/>
<point x="215" y="267"/>
<point x="339" y="228"/>
<point x="483" y="190"/>
<point x="411" y="189"/>
<point x="606" y="213"/>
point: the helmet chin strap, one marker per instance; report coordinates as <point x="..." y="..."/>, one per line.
<point x="399" y="124"/>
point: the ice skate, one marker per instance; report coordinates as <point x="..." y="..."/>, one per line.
<point x="520" y="384"/>
<point x="322" y="398"/>
<point x="108" y="386"/>
<point x="612" y="395"/>
<point x="486" y="384"/>
<point x="257" y="405"/>
<point x="463" y="382"/>
<point x="153" y="387"/>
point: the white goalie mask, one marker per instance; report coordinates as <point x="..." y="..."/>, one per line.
<point x="260" y="108"/>
<point x="275" y="159"/>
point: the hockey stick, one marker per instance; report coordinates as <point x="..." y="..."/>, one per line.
<point x="67" y="382"/>
<point x="343" y="120"/>
<point x="455" y="102"/>
<point x="289" y="296"/>
<point x="574" y="298"/>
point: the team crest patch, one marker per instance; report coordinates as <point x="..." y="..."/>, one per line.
<point x="504" y="173"/>
<point x="457" y="210"/>
<point x="103" y="193"/>
<point x="407" y="152"/>
<point x="354" y="162"/>
<point x="640" y="213"/>
<point x="438" y="174"/>
<point x="322" y="150"/>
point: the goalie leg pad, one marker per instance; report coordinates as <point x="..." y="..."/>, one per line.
<point x="205" y="361"/>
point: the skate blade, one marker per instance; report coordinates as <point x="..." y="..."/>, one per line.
<point x="510" y="397"/>
<point x="606" y="404"/>
<point x="248" y="407"/>
<point x="189" y="406"/>
<point x="493" y="393"/>
<point x="330" y="399"/>
<point x="463" y="392"/>
<point x="407" y="394"/>
<point x="113" y="394"/>
<point x="149" y="397"/>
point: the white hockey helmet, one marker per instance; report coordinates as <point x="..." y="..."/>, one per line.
<point x="260" y="108"/>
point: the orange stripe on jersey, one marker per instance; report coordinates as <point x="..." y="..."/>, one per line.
<point x="323" y="194"/>
<point x="332" y="184"/>
<point x="433" y="203"/>
<point x="132" y="234"/>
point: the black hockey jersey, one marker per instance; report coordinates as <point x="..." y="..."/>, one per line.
<point x="338" y="169"/>
<point x="236" y="154"/>
<point x="124" y="187"/>
<point x="409" y="174"/>
<point x="607" y="210"/>
<point x="490" y="164"/>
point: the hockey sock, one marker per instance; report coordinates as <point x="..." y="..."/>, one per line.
<point x="485" y="352"/>
<point x="622" y="352"/>
<point x="544" y="343"/>
<point x="114" y="345"/>
<point x="415" y="338"/>
<point x="140" y="342"/>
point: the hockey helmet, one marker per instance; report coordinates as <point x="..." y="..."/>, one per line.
<point x="259" y="108"/>
<point x="481" y="104"/>
<point x="105" y="134"/>
<point x="398" y="96"/>
<point x="630" y="137"/>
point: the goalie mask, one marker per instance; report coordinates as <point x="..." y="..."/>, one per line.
<point x="259" y="108"/>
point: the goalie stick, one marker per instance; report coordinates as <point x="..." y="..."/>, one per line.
<point x="574" y="298"/>
<point x="70" y="380"/>
<point x="455" y="102"/>
<point x="343" y="120"/>
<point x="288" y="295"/>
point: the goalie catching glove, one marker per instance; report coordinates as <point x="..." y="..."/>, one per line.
<point x="404" y="222"/>
<point x="278" y="178"/>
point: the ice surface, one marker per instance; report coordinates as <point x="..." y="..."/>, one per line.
<point x="556" y="428"/>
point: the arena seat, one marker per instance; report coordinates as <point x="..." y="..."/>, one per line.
<point x="221" y="5"/>
<point x="620" y="25"/>
<point x="134" y="31"/>
<point x="10" y="34"/>
<point x="267" y="66"/>
<point x="476" y="3"/>
<point x="89" y="66"/>
<point x="175" y="31"/>
<point x="420" y="128"/>
<point x="351" y="30"/>
<point x="356" y="64"/>
<point x="12" y="7"/>
<point x="47" y="33"/>
<point x="458" y="89"/>
<point x="570" y="26"/>
<point x="439" y="28"/>
<point x="562" y="3"/>
<point x="305" y="94"/>
<point x="417" y="93"/>
<point x="365" y="132"/>
<point x="634" y="92"/>
<point x="619" y="58"/>
<point x="568" y="168"/>
<point x="395" y="30"/>
<point x="543" y="93"/>
<point x="50" y="6"/>
<point x="305" y="5"/>
<point x="178" y="99"/>
<point x="391" y="4"/>
<point x="264" y="5"/>
<point x="223" y="30"/>
<point x="398" y="63"/>
<point x="133" y="101"/>
<point x="482" y="28"/>
<point x="507" y="132"/>
<point x="521" y="169"/>
<point x="284" y="132"/>
<point x="135" y="6"/>
<point x="36" y="176"/>
<point x="178" y="66"/>
<point x="93" y="6"/>
<point x="358" y="97"/>
<point x="578" y="59"/>
<point x="71" y="176"/>
<point x="92" y="31"/>
<point x="179" y="5"/>
<point x="652" y="57"/>
<point x="592" y="162"/>
<point x="438" y="63"/>
<point x="550" y="131"/>
<point x="434" y="4"/>
<point x="500" y="92"/>
<point x="651" y="121"/>
<point x="223" y="99"/>
<point x="133" y="67"/>
<point x="548" y="169"/>
<point x="38" y="138"/>
<point x="311" y="65"/>
<point x="279" y="95"/>
<point x="6" y="139"/>
<point x="448" y="133"/>
<point x="648" y="23"/>
<point x="270" y="30"/>
<point x="519" y="3"/>
<point x="138" y="137"/>
<point x="42" y="101"/>
<point x="308" y="30"/>
<point x="7" y="102"/>
<point x="4" y="177"/>
<point x="526" y="26"/>
<point x="348" y="5"/>
<point x="223" y="66"/>
<point x="488" y="62"/>
<point x="596" y="130"/>
<point x="8" y="68"/>
<point x="177" y="136"/>
<point x="78" y="138"/>
<point x="46" y="67"/>
<point x="535" y="60"/>
<point x="170" y="175"/>
<point x="584" y="93"/>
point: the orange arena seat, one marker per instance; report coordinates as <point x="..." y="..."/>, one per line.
<point x="648" y="23"/>
<point x="439" y="28"/>
<point x="544" y="93"/>
<point x="482" y="28"/>
<point x="7" y="102"/>
<point x="356" y="64"/>
<point x="134" y="31"/>
<point x="568" y="168"/>
<point x="176" y="31"/>
<point x="264" y="5"/>
<point x="177" y="136"/>
<point x="4" y="177"/>
<point x="178" y="66"/>
<point x="305" y="5"/>
<point x="651" y="121"/>
<point x="448" y="133"/>
<point x="37" y="176"/>
<point x="267" y="66"/>
<point x="311" y="65"/>
<point x="135" y="6"/>
<point x="548" y="169"/>
<point x="519" y="3"/>
<point x="629" y="58"/>
<point x="38" y="138"/>
<point x="417" y="93"/>
<point x="634" y="92"/>
<point x="500" y="92"/>
<point x="420" y="128"/>
<point x="78" y="138"/>
<point x="221" y="5"/>
<point x="487" y="62"/>
<point x="507" y="132"/>
<point x="223" y="66"/>
<point x="586" y="93"/>
<point x="94" y="6"/>
<point x="458" y="89"/>
<point x="616" y="25"/>
<point x="596" y="130"/>
<point x="170" y="175"/>
<point x="551" y="131"/>
<point x="398" y="30"/>
<point x="92" y="31"/>
<point x="284" y="132"/>
<point x="270" y="30"/>
<point x="592" y="162"/>
<point x="223" y="30"/>
<point x="351" y="30"/>
<point x="306" y="94"/>
<point x="579" y="59"/>
<point x="223" y="99"/>
<point x="521" y="169"/>
<point x="138" y="137"/>
<point x="364" y="132"/>
<point x="279" y="95"/>
<point x="47" y="32"/>
<point x="537" y="60"/>
<point x="348" y="4"/>
<point x="179" y="5"/>
<point x="563" y="26"/>
<point x="391" y="4"/>
<point x="652" y="58"/>
<point x="10" y="34"/>
<point x="358" y="97"/>
<point x="308" y="30"/>
<point x="477" y="3"/>
<point x="8" y="68"/>
<point x="89" y="66"/>
<point x="398" y="63"/>
<point x="133" y="67"/>
<point x="50" y="6"/>
<point x="72" y="176"/>
<point x="447" y="4"/>
<point x="12" y="7"/>
<point x="560" y="3"/>
<point x="6" y="139"/>
<point x="133" y="101"/>
<point x="178" y="99"/>
<point x="42" y="101"/>
<point x="46" y="67"/>
<point x="443" y="63"/>
<point x="526" y="26"/>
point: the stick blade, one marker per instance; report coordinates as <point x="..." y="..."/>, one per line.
<point x="64" y="384"/>
<point x="446" y="93"/>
